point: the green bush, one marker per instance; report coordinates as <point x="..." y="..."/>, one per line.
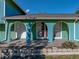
<point x="69" y="44"/>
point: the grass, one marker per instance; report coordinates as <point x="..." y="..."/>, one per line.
<point x="63" y="57"/>
<point x="57" y="57"/>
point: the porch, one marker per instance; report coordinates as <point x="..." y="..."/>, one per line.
<point x="50" y="27"/>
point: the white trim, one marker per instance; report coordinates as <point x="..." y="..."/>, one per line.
<point x="5" y="22"/>
<point x="4" y="8"/>
<point x="36" y="30"/>
<point x="74" y="30"/>
<point x="37" y="17"/>
<point x="6" y="30"/>
<point x="69" y="32"/>
<point x="61" y="29"/>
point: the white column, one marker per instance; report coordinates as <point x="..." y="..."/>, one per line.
<point x="74" y="30"/>
<point x="61" y="29"/>
<point x="8" y="35"/>
<point x="6" y="30"/>
<point x="50" y="31"/>
<point x="4" y="8"/>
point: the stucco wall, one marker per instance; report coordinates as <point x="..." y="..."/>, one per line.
<point x="77" y="31"/>
<point x="1" y="9"/>
<point x="50" y="26"/>
<point x="2" y="32"/>
<point x="71" y="30"/>
<point x="67" y="34"/>
<point x="65" y="31"/>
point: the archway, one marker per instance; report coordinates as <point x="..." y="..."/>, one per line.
<point x="61" y="31"/>
<point x="39" y="30"/>
<point x="18" y="31"/>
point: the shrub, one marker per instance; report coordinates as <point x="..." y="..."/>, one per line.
<point x="69" y="44"/>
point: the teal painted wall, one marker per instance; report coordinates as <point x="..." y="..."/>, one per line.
<point x="65" y="31"/>
<point x="2" y="32"/>
<point x="1" y="9"/>
<point x="71" y="30"/>
<point x="34" y="31"/>
<point x="2" y="35"/>
<point x="13" y="35"/>
<point x="77" y="31"/>
<point x="50" y="25"/>
<point x="12" y="32"/>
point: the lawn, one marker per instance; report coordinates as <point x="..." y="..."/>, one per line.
<point x="57" y="57"/>
<point x="63" y="57"/>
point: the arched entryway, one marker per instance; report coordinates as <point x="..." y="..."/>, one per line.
<point x="18" y="30"/>
<point x="39" y="30"/>
<point x="61" y="31"/>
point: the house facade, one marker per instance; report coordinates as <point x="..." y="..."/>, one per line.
<point x="46" y="26"/>
<point x="42" y="26"/>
